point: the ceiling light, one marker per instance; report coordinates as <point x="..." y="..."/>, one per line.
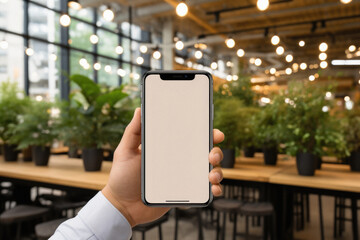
<point x="347" y="98"/>
<point x="94" y="39"/>
<point x="288" y="71"/>
<point x="139" y="60"/>
<point x="353" y="62"/>
<point x="262" y="5"/>
<point x="4" y="44"/>
<point x="258" y="62"/>
<point x="345" y="1"/>
<point x="311" y="78"/>
<point x="97" y="66"/>
<point x="352" y="48"/>
<point x="323" y="47"/>
<point x="301" y="43"/>
<point x="275" y="40"/>
<point x="303" y="66"/>
<point x="289" y="58"/>
<point x="240" y="52"/>
<point x="65" y="20"/>
<point x="29" y="51"/>
<point x="156" y="54"/>
<point x="322" y="56"/>
<point x="143" y="48"/>
<point x="74" y="4"/>
<point x="107" y="68"/>
<point x="230" y="42"/>
<point x="272" y="70"/>
<point x="182" y="9"/>
<point x="108" y="14"/>
<point x="280" y="50"/>
<point x="214" y="65"/>
<point x="198" y="54"/>
<point x="179" y="45"/>
<point x="323" y="64"/>
<point x="121" y="72"/>
<point x="119" y="50"/>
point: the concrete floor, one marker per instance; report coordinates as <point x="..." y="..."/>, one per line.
<point x="188" y="228"/>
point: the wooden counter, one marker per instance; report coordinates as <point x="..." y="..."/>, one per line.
<point x="60" y="171"/>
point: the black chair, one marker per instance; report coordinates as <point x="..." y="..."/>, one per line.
<point x="301" y="210"/>
<point x="264" y="210"/>
<point x="20" y="214"/>
<point x="226" y="206"/>
<point x="46" y="229"/>
<point x="187" y="214"/>
<point x="143" y="228"/>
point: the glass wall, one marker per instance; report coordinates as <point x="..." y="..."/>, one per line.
<point x="40" y="54"/>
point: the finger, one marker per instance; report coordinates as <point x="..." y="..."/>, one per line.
<point x="215" y="176"/>
<point x="218" y="136"/>
<point x="215" y="156"/>
<point x="132" y="135"/>
<point x="216" y="190"/>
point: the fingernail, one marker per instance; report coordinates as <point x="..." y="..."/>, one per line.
<point x="217" y="176"/>
<point x="217" y="158"/>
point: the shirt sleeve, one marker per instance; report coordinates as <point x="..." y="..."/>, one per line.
<point x="97" y="220"/>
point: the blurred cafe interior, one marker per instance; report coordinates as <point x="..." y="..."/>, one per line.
<point x="286" y="94"/>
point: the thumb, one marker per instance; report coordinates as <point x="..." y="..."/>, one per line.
<point x="132" y="135"/>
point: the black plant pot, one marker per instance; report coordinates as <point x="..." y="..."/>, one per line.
<point x="10" y="153"/>
<point x="27" y="154"/>
<point x="73" y="152"/>
<point x="318" y="162"/>
<point x="270" y="155"/>
<point x="92" y="158"/>
<point x="249" y="152"/>
<point x="306" y="163"/>
<point x="40" y="155"/>
<point x="229" y="158"/>
<point x="354" y="161"/>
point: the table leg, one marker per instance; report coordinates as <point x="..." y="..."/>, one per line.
<point x="321" y="219"/>
<point x="354" y="218"/>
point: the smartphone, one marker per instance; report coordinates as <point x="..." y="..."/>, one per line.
<point x="176" y="138"/>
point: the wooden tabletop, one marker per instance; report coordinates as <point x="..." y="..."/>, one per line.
<point x="61" y="171"/>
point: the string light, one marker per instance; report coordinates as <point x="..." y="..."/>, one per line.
<point x="119" y="50"/>
<point x="240" y="52"/>
<point x="262" y="5"/>
<point x="143" y="48"/>
<point x="323" y="64"/>
<point x="289" y="58"/>
<point x="179" y="45"/>
<point x="229" y="78"/>
<point x="107" y="68"/>
<point x="136" y="76"/>
<point x="198" y="54"/>
<point x="303" y="66"/>
<point x="275" y="40"/>
<point x="323" y="47"/>
<point x="301" y="43"/>
<point x="97" y="66"/>
<point x="328" y="95"/>
<point x="235" y="77"/>
<point x="65" y="20"/>
<point x="272" y="70"/>
<point x="252" y="60"/>
<point x="322" y="56"/>
<point x="139" y="60"/>
<point x="295" y="67"/>
<point x="311" y="78"/>
<point x="83" y="61"/>
<point x="230" y="42"/>
<point x="258" y="62"/>
<point x="214" y="65"/>
<point x="108" y="14"/>
<point x="29" y="51"/>
<point x="347" y="98"/>
<point x="94" y="39"/>
<point x="280" y="50"/>
<point x="352" y="48"/>
<point x="74" y="4"/>
<point x="121" y="72"/>
<point x="182" y="9"/>
<point x="4" y="44"/>
<point x="156" y="54"/>
<point x="288" y="71"/>
<point x="53" y="57"/>
<point x="345" y="1"/>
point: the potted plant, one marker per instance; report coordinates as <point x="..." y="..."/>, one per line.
<point x="268" y="134"/>
<point x="226" y="118"/>
<point x="305" y="125"/>
<point x="97" y="123"/>
<point x="352" y="137"/>
<point x="246" y="130"/>
<point x="37" y="129"/>
<point x="12" y="105"/>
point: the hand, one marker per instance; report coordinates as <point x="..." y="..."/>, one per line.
<point x="123" y="189"/>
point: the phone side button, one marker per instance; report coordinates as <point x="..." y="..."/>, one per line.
<point x="212" y="112"/>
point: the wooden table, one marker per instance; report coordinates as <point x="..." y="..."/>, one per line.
<point x="61" y="171"/>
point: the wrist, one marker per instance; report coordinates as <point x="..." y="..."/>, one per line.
<point x="121" y="207"/>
